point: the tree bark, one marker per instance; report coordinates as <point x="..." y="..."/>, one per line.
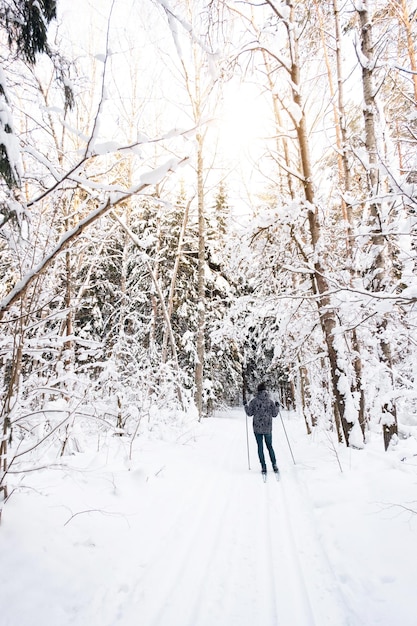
<point x="328" y="320"/>
<point x="380" y="270"/>
<point x="345" y="181"/>
<point x="175" y="269"/>
<point x="201" y="306"/>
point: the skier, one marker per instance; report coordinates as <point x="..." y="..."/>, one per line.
<point x="263" y="409"/>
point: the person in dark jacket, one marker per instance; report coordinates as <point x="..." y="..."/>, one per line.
<point x="263" y="409"/>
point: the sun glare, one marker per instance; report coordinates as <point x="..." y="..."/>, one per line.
<point x="243" y="120"/>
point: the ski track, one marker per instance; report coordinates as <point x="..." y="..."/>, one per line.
<point x="229" y="555"/>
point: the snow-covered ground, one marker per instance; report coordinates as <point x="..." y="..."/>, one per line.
<point x="184" y="534"/>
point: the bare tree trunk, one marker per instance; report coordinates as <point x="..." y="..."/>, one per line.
<point x="201" y="305"/>
<point x="338" y="104"/>
<point x="327" y="317"/>
<point x="345" y="179"/>
<point x="172" y="286"/>
<point x="328" y="320"/>
<point x="281" y="142"/>
<point x="154" y="298"/>
<point x="381" y="266"/>
<point x="404" y="18"/>
<point x="68" y="326"/>
<point x="12" y="378"/>
<point x="200" y="96"/>
<point x="305" y="396"/>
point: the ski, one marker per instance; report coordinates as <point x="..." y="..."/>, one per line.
<point x="277" y="476"/>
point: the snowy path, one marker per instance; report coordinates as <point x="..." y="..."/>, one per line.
<point x="185" y="535"/>
<point x="230" y="556"/>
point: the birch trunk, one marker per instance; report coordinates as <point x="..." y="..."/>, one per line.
<point x="381" y="265"/>
<point x="345" y="181"/>
<point x="172" y="287"/>
<point x="201" y="312"/>
<point x="328" y="320"/>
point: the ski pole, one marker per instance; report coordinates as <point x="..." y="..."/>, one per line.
<point x="247" y="439"/>
<point x="285" y="431"/>
<point x="244" y="403"/>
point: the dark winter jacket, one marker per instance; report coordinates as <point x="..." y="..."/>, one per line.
<point x="263" y="410"/>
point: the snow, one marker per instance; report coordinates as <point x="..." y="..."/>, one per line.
<point x="106" y="147"/>
<point x="295" y="112"/>
<point x="183" y="533"/>
<point x="284" y="10"/>
<point x="153" y="177"/>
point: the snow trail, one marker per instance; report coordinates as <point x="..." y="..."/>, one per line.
<point x="182" y="535"/>
<point x="230" y="557"/>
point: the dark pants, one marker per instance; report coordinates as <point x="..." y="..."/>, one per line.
<point x="268" y="441"/>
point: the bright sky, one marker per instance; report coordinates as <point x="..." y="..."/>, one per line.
<point x="146" y="65"/>
<point x="244" y="119"/>
<point x="146" y="89"/>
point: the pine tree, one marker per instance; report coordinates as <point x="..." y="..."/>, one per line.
<point x="25" y="23"/>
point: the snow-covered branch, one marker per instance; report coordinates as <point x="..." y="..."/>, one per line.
<point x="148" y="179"/>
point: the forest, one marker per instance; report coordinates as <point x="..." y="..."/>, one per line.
<point x="199" y="195"/>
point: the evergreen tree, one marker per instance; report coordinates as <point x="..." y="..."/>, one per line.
<point x="25" y="23"/>
<point x="218" y="218"/>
